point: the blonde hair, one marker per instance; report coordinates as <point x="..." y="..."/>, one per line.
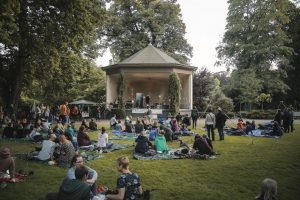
<point x="123" y="162"/>
<point x="268" y="189"/>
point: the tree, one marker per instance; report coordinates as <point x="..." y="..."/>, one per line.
<point x="255" y="39"/>
<point x="174" y="93"/>
<point x="121" y="88"/>
<point x="219" y="99"/>
<point x="42" y="40"/>
<point x="132" y="25"/>
<point x="292" y="79"/>
<point x="203" y="86"/>
<point x="263" y="98"/>
<point x="243" y="86"/>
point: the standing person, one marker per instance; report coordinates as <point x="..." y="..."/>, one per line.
<point x="291" y="119"/>
<point x="178" y="118"/>
<point x="77" y="161"/>
<point x="277" y="117"/>
<point x="75" y="189"/>
<point x="220" y="123"/>
<point x="63" y="112"/>
<point x="286" y="120"/>
<point x="268" y="190"/>
<point x="98" y="111"/>
<point x="195" y="116"/>
<point x="149" y="113"/>
<point x="128" y="183"/>
<point x="210" y="122"/>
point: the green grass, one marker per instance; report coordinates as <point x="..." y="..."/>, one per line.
<point x="235" y="174"/>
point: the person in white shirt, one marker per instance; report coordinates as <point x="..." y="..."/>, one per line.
<point x="48" y="147"/>
<point x="113" y="122"/>
<point x="210" y="122"/>
<point x="102" y="138"/>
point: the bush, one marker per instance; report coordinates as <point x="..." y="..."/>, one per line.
<point x="258" y="114"/>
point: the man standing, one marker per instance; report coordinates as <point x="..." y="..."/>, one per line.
<point x="195" y="116"/>
<point x="220" y="123"/>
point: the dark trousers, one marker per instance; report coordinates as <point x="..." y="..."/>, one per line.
<point x="292" y="125"/>
<point x="210" y="128"/>
<point x="221" y="132"/>
<point x="286" y="126"/>
<point x="194" y="119"/>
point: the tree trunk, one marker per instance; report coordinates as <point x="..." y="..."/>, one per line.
<point x="21" y="58"/>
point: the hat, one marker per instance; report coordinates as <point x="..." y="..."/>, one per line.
<point x="4" y="152"/>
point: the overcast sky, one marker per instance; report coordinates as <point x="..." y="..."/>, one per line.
<point x="205" y="22"/>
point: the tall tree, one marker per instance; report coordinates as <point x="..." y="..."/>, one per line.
<point x="292" y="79"/>
<point x="174" y="92"/>
<point x="43" y="39"/>
<point x="134" y="24"/>
<point x="255" y="39"/>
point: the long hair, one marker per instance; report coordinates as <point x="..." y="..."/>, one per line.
<point x="268" y="189"/>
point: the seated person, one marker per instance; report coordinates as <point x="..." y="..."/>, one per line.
<point x="77" y="161"/>
<point x="138" y="127"/>
<point x="66" y="151"/>
<point x="153" y="133"/>
<point x="45" y="126"/>
<point x="58" y="129"/>
<point x="82" y="137"/>
<point x="128" y="126"/>
<point x="146" y="125"/>
<point x="8" y="131"/>
<point x="118" y="126"/>
<point x="168" y="133"/>
<point x="160" y="142"/>
<point x="47" y="150"/>
<point x="175" y="126"/>
<point x="20" y="133"/>
<point x="208" y="141"/>
<point x="128" y="183"/>
<point x="201" y="146"/>
<point x="35" y="134"/>
<point x="253" y="125"/>
<point x="93" y="125"/>
<point x="240" y="125"/>
<point x="102" y="139"/>
<point x="186" y="120"/>
<point x="75" y="189"/>
<point x="113" y="121"/>
<point x="142" y="143"/>
<point x="83" y="123"/>
<point x="185" y="131"/>
<point x="268" y="190"/>
<point x="7" y="163"/>
<point x="276" y="130"/>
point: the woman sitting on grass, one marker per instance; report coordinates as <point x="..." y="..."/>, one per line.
<point x="65" y="152"/>
<point x="82" y="137"/>
<point x="268" y="190"/>
<point x="102" y="139"/>
<point x="128" y="183"/>
<point x="201" y="146"/>
<point x="160" y="142"/>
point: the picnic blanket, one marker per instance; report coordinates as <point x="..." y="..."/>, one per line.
<point x="158" y="156"/>
<point x="124" y="136"/>
<point x="255" y="133"/>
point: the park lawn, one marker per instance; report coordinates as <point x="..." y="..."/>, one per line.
<point x="235" y="174"/>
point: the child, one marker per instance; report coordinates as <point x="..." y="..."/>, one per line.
<point x="102" y="139"/>
<point x="268" y="190"/>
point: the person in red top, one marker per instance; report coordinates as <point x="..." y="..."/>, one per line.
<point x="240" y="125"/>
<point x="63" y="112"/>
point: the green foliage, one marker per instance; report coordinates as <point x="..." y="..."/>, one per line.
<point x="132" y="25"/>
<point x="43" y="41"/>
<point x="203" y="86"/>
<point x="174" y="92"/>
<point x="121" y="89"/>
<point x="263" y="98"/>
<point x="219" y="99"/>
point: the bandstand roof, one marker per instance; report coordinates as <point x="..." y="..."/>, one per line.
<point x="149" y="57"/>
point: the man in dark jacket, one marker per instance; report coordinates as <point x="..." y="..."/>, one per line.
<point x="75" y="189"/>
<point x="142" y="143"/>
<point x="138" y="127"/>
<point x="277" y="117"/>
<point x="220" y="123"/>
